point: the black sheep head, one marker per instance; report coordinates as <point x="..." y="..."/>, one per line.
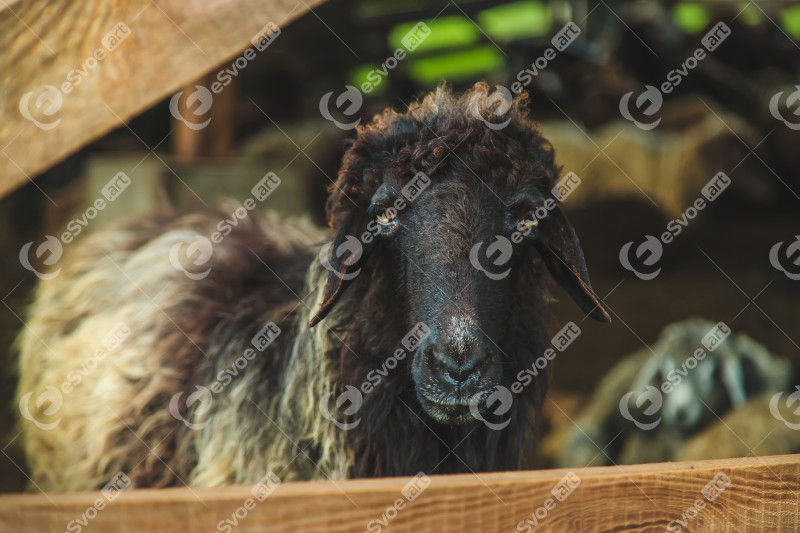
<point x="460" y="199"/>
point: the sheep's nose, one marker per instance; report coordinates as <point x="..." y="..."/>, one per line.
<point x="461" y="367"/>
<point x="458" y="356"/>
<point x="456" y="352"/>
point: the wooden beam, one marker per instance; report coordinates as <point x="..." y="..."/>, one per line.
<point x="189" y="144"/>
<point x="749" y="494"/>
<point x="99" y="75"/>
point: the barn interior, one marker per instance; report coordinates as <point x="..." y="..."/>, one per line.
<point x="735" y="111"/>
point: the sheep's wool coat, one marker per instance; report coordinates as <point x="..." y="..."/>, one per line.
<point x="117" y="419"/>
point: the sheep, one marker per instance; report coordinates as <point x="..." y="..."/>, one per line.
<point x="764" y="425"/>
<point x="161" y="405"/>
<point x="656" y="405"/>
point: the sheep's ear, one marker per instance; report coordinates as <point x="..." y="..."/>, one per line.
<point x="562" y="254"/>
<point x="343" y="258"/>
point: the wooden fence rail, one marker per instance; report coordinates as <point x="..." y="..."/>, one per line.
<point x="749" y="494"/>
<point x="72" y="71"/>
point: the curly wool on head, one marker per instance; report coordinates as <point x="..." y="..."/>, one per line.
<point x="444" y="130"/>
<point x="283" y="410"/>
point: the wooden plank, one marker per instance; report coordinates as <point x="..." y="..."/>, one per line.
<point x="762" y="494"/>
<point x="189" y="144"/>
<point x="55" y="43"/>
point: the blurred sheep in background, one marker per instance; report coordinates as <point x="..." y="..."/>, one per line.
<point x="677" y="401"/>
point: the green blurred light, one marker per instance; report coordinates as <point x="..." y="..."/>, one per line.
<point x="457" y="65"/>
<point x="691" y="18"/>
<point x="749" y="14"/>
<point x="445" y="32"/>
<point x="516" y="20"/>
<point x="359" y="75"/>
<point x="790" y="20"/>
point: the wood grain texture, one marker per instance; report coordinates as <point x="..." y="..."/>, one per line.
<point x="48" y="42"/>
<point x="763" y="495"/>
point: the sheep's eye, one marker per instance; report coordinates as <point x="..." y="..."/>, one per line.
<point x="530" y="220"/>
<point x="387" y="218"/>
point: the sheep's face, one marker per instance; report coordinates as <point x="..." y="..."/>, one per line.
<point x="458" y="242"/>
<point x="465" y="253"/>
<point x="461" y="256"/>
<point x="697" y="382"/>
<point x="439" y="246"/>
